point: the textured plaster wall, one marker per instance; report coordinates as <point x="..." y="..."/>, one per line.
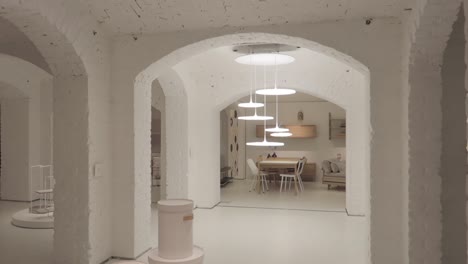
<point x="15" y="43"/>
<point x="176" y="138"/>
<point x="430" y="25"/>
<point x="76" y="51"/>
<point x="453" y="158"/>
<point x="15" y="149"/>
<point x="158" y="101"/>
<point x="364" y="43"/>
<point x="27" y="132"/>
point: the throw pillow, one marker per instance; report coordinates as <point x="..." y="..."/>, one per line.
<point x="335" y="168"/>
<point x="326" y="166"/>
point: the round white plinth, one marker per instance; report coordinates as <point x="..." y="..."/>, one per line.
<point x="196" y="258"/>
<point x="26" y="219"/>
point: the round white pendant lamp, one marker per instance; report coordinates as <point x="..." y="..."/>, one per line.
<point x="250" y="104"/>
<point x="253" y="81"/>
<point x="265" y="143"/>
<point x="281" y="134"/>
<point x="277" y="130"/>
<point x="255" y="117"/>
<point x="265" y="59"/>
<point x="275" y="90"/>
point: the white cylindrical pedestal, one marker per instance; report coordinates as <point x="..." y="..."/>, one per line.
<point x="196" y="258"/>
<point x="175" y="234"/>
<point x="175" y="228"/>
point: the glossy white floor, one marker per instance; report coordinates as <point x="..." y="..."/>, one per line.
<point x="251" y="236"/>
<point x="228" y="235"/>
<point x="316" y="196"/>
<point x="22" y="245"/>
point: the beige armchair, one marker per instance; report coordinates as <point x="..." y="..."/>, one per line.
<point x="334" y="172"/>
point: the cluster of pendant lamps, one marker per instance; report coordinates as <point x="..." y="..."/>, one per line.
<point x="265" y="60"/>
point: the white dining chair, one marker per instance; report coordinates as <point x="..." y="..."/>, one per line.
<point x="287" y="178"/>
<point x="259" y="177"/>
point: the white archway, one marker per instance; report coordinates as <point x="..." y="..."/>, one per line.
<point x="184" y="153"/>
<point x="211" y="88"/>
<point x="26" y="100"/>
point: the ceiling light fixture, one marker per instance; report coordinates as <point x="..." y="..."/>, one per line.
<point x="252" y="104"/>
<point x="256" y="117"/>
<point x="281" y="134"/>
<point x="265" y="59"/>
<point x="265" y="143"/>
<point x="276" y="90"/>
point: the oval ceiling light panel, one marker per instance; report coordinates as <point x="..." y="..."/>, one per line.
<point x="276" y="91"/>
<point x="265" y="59"/>
<point x="250" y="105"/>
<point x="281" y="134"/>
<point x="265" y="144"/>
<point x="255" y="118"/>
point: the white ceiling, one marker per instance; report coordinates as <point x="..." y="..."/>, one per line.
<point x="310" y="69"/>
<point x="152" y="16"/>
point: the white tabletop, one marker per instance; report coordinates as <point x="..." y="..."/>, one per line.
<point x="44" y="191"/>
<point x="279" y="162"/>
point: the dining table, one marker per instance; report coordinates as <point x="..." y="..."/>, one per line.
<point x="279" y="163"/>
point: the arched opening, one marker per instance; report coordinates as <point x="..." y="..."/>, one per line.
<point x="26" y="97"/>
<point x="196" y="176"/>
<point x="26" y="136"/>
<point x="323" y="141"/>
<point x="203" y="70"/>
<point x="158" y="143"/>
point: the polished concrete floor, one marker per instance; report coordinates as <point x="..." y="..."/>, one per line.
<point x="315" y="196"/>
<point x="233" y="235"/>
<point x="228" y="235"/>
<point x="21" y="245"/>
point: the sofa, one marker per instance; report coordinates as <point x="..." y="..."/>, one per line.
<point x="334" y="172"/>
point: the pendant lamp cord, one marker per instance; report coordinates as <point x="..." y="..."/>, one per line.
<point x="276" y="81"/>
<point x="251" y="77"/>
<point x="264" y="103"/>
<point x="255" y="85"/>
<point x="276" y="71"/>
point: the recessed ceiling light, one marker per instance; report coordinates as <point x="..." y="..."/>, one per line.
<point x="276" y="91"/>
<point x="265" y="59"/>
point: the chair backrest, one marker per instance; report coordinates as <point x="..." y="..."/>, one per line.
<point x="300" y="165"/>
<point x="252" y="166"/>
